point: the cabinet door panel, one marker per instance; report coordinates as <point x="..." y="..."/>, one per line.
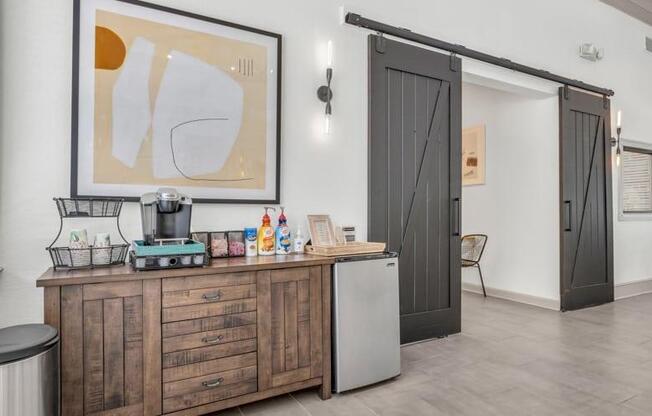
<point x="316" y="323"/>
<point x="72" y="352"/>
<point x="133" y="348"/>
<point x="289" y="326"/>
<point x="114" y="363"/>
<point x="303" y="323"/>
<point x="110" y="346"/>
<point x="93" y="357"/>
<point x="278" y="325"/>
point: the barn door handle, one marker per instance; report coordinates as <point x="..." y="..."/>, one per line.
<point x="213" y="383"/>
<point x="456" y="217"/>
<point x="567" y="215"/>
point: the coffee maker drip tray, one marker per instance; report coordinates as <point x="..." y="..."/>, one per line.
<point x="168" y="254"/>
<point x="171" y="242"/>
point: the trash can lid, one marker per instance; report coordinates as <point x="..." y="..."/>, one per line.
<point x="24" y="341"/>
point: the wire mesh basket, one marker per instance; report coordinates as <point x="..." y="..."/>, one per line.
<point x="81" y="258"/>
<point x="88" y="207"/>
<point x="88" y="257"/>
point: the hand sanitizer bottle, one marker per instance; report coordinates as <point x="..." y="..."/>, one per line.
<point x="299" y="241"/>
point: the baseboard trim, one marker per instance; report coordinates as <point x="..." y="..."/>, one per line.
<point x="629" y="289"/>
<point x="547" y="303"/>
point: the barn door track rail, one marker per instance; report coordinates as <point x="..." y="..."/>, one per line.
<point x="400" y="32"/>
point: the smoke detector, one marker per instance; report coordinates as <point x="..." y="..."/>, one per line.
<point x="591" y="52"/>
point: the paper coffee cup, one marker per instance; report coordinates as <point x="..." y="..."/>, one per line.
<point x="102" y="240"/>
<point x="78" y="238"/>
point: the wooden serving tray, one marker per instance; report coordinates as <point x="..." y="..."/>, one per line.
<point x="357" y="247"/>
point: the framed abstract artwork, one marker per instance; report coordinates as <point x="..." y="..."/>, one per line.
<point x="473" y="155"/>
<point x="163" y="97"/>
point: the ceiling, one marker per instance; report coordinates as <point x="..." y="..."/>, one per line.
<point x="639" y="9"/>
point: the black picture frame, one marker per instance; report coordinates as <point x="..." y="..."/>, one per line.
<point x="75" y="102"/>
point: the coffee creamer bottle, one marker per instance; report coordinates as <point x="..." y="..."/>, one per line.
<point x="283" y="241"/>
<point x="266" y="238"/>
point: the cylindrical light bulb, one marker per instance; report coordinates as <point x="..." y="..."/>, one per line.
<point x="329" y="60"/>
<point x="327" y="124"/>
<point x="618" y="159"/>
<point x="619" y="119"/>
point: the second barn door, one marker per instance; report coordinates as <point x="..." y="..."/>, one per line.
<point x="586" y="212"/>
<point x="415" y="179"/>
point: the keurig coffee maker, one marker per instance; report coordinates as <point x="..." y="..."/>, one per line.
<point x="165" y="215"/>
<point x="166" y="239"/>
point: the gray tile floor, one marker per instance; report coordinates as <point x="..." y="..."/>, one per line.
<point x="510" y="359"/>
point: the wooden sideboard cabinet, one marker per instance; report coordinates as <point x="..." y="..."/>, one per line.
<point x="190" y="341"/>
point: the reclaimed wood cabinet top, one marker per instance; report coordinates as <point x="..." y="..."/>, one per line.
<point x="228" y="265"/>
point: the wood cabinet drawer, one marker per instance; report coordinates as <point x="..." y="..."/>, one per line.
<point x="209" y="367"/>
<point x="173" y="329"/>
<point x="203" y="282"/>
<point x="204" y="339"/>
<point x="181" y="313"/>
<point x="185" y="357"/>
<point x="209" y="382"/>
<point x="209" y="396"/>
<point x="207" y="295"/>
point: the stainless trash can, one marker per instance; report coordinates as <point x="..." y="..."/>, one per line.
<point x="29" y="371"/>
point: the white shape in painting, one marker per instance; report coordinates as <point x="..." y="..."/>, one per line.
<point x="193" y="98"/>
<point x="131" y="109"/>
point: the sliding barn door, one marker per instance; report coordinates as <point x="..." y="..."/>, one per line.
<point x="415" y="179"/>
<point x="586" y="213"/>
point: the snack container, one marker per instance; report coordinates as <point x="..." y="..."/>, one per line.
<point x="236" y="244"/>
<point x="219" y="244"/>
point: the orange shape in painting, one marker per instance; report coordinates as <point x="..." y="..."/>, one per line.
<point x="110" y="50"/>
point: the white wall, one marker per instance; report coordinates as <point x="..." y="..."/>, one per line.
<point x="518" y="206"/>
<point x="319" y="174"/>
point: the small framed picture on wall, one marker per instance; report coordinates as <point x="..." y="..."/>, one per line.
<point x="163" y="97"/>
<point x="473" y="155"/>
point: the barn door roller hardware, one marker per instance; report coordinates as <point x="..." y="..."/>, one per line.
<point x="399" y="32"/>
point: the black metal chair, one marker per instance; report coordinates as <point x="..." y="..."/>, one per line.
<point x="472" y="248"/>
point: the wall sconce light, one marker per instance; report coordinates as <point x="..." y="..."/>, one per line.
<point x="615" y="141"/>
<point x="324" y="93"/>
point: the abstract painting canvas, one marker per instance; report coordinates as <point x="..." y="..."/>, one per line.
<point x="473" y="155"/>
<point x="169" y="98"/>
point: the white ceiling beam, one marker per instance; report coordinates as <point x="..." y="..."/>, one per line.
<point x="638" y="9"/>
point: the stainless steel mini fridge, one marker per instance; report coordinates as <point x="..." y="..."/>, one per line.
<point x="366" y="332"/>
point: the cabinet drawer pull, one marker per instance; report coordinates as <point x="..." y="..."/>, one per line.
<point x="213" y="383"/>
<point x="212" y="296"/>
<point x="212" y="340"/>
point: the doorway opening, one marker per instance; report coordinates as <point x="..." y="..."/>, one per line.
<point x="510" y="190"/>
